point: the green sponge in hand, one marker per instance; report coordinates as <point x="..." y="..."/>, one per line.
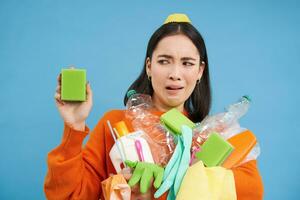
<point x="73" y="84"/>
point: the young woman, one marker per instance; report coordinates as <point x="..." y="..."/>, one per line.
<point x="176" y="75"/>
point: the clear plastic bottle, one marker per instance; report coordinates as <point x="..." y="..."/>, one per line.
<point x="136" y="100"/>
<point x="237" y="110"/>
<point x="226" y="123"/>
<point x="139" y="108"/>
<point x="138" y="105"/>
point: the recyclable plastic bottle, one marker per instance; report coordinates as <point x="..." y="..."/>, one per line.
<point x="137" y="104"/>
<point x="225" y="123"/>
<point x="139" y="108"/>
<point x="237" y="110"/>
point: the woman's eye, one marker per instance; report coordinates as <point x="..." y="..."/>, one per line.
<point x="188" y="64"/>
<point x="163" y="62"/>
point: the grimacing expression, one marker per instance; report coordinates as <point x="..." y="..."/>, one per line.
<point x="174" y="70"/>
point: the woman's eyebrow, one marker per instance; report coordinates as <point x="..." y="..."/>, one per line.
<point x="169" y="56"/>
<point x="188" y="58"/>
<point x="165" y="56"/>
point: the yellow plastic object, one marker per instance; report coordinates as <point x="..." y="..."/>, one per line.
<point x="242" y="143"/>
<point x="207" y="183"/>
<point x="177" y="17"/>
<point x="121" y="128"/>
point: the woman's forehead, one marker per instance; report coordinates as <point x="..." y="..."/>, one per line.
<point x="176" y="46"/>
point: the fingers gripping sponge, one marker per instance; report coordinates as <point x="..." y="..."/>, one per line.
<point x="73" y="85"/>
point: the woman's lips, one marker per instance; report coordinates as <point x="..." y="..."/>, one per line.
<point x="173" y="89"/>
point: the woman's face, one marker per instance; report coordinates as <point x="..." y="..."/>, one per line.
<point x="174" y="70"/>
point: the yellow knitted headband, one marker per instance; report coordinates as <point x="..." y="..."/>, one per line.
<point x="177" y="17"/>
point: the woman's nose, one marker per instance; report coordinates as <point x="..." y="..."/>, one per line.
<point x="175" y="74"/>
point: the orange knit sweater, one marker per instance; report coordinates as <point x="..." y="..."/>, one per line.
<point x="76" y="173"/>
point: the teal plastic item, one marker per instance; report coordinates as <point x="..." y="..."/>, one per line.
<point x="170" y="171"/>
<point x="174" y="119"/>
<point x="143" y="172"/>
<point x="186" y="135"/>
<point x="130" y="93"/>
<point x="73" y="84"/>
<point x="177" y="166"/>
<point x="214" y="150"/>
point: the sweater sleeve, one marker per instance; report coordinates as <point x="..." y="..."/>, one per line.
<point x="75" y="172"/>
<point x="248" y="181"/>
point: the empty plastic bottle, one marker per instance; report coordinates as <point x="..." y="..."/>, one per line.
<point x="225" y="123"/>
<point x="136" y="100"/>
<point x="139" y="108"/>
<point x="237" y="110"/>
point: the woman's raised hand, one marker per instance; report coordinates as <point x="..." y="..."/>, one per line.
<point x="74" y="114"/>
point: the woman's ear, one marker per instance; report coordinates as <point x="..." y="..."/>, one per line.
<point x="148" y="66"/>
<point x="201" y="69"/>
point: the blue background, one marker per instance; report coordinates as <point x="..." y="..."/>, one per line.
<point x="253" y="48"/>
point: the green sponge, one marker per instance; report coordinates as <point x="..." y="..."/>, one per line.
<point x="73" y="84"/>
<point x="174" y="119"/>
<point x="214" y="150"/>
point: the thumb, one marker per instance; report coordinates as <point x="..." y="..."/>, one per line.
<point x="89" y="91"/>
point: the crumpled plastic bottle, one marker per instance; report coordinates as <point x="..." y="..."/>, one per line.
<point x="237" y="110"/>
<point x="137" y="104"/>
<point x="160" y="140"/>
<point x="226" y="123"/>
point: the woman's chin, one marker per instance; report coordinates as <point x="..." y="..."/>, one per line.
<point x="173" y="102"/>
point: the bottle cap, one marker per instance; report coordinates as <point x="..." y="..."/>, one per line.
<point x="247" y="97"/>
<point x="130" y="93"/>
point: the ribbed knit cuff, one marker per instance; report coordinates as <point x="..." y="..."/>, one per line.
<point x="72" y="140"/>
